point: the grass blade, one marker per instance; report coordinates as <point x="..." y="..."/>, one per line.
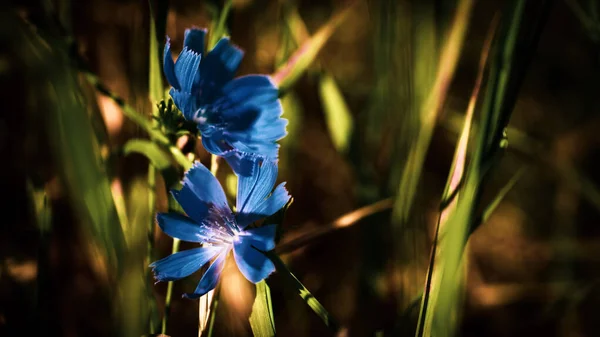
<point x="450" y="197"/>
<point x="262" y="321"/>
<point x="220" y="29"/>
<point x="310" y="300"/>
<point x="286" y="75"/>
<point x="337" y="114"/>
<point x="412" y="170"/>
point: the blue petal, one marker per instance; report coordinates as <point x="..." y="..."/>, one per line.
<point x="203" y="200"/>
<point x="252" y="110"/>
<point x="215" y="144"/>
<point x="183" y="228"/>
<point x="169" y="65"/>
<point x="211" y="277"/>
<point x="266" y="207"/>
<point x="204" y="186"/>
<point x="254" y="189"/>
<point x="242" y="163"/>
<point x="254" y="265"/>
<point x="194" y="40"/>
<point x="185" y="102"/>
<point x="220" y="64"/>
<point x="182" y="264"/>
<point x="187" y="68"/>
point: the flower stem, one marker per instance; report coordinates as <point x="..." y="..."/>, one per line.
<point x="169" y="293"/>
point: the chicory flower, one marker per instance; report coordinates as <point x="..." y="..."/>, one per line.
<point x="211" y="223"/>
<point x="242" y="114"/>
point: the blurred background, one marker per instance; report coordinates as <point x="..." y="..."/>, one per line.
<point x="374" y="120"/>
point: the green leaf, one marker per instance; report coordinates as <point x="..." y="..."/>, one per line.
<point x="337" y="115"/>
<point x="70" y="131"/>
<point x="150" y="150"/>
<point x="160" y="159"/>
<point x="262" y="321"/>
<point x="299" y="62"/>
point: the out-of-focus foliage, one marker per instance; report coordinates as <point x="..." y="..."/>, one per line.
<point x="422" y="206"/>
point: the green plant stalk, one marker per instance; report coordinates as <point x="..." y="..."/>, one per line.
<point x="213" y="308"/>
<point x="165" y="319"/>
<point x="150" y="245"/>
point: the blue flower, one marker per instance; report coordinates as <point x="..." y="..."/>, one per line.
<point x="211" y="223"/>
<point x="242" y="113"/>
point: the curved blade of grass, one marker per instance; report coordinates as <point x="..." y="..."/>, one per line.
<point x="337" y="114"/>
<point x="150" y="150"/>
<point x="262" y="321"/>
<point x="449" y="202"/>
<point x="310" y="300"/>
<point x="286" y="75"/>
<point x="412" y="169"/>
<point x="80" y="165"/>
<point x="344" y="221"/>
<point x="509" y="64"/>
<point x="219" y="29"/>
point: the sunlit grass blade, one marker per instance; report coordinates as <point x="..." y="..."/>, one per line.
<point x="80" y="163"/>
<point x="344" y="221"/>
<point x="443" y="292"/>
<point x="286" y="75"/>
<point x="412" y="169"/>
<point x="310" y="300"/>
<point x="337" y="114"/>
<point x="262" y="321"/>
<point x="155" y="84"/>
<point x="449" y="201"/>
<point x="219" y="29"/>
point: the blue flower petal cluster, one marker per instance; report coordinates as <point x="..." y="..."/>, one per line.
<point x="242" y="114"/>
<point x="211" y="222"/>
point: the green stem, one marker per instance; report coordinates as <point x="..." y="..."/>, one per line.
<point x="150" y="245"/>
<point x="169" y="293"/>
<point x="213" y="309"/>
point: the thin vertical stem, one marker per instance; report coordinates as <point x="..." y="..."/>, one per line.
<point x="150" y="245"/>
<point x="169" y="293"/>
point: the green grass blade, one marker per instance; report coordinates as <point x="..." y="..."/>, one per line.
<point x="286" y="75"/>
<point x="337" y="114"/>
<point x="81" y="166"/>
<point x="310" y="300"/>
<point x="449" y="201"/>
<point x="219" y="29"/>
<point x="155" y="83"/>
<point x="412" y="169"/>
<point x="444" y="289"/>
<point x="501" y="195"/>
<point x="262" y="321"/>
